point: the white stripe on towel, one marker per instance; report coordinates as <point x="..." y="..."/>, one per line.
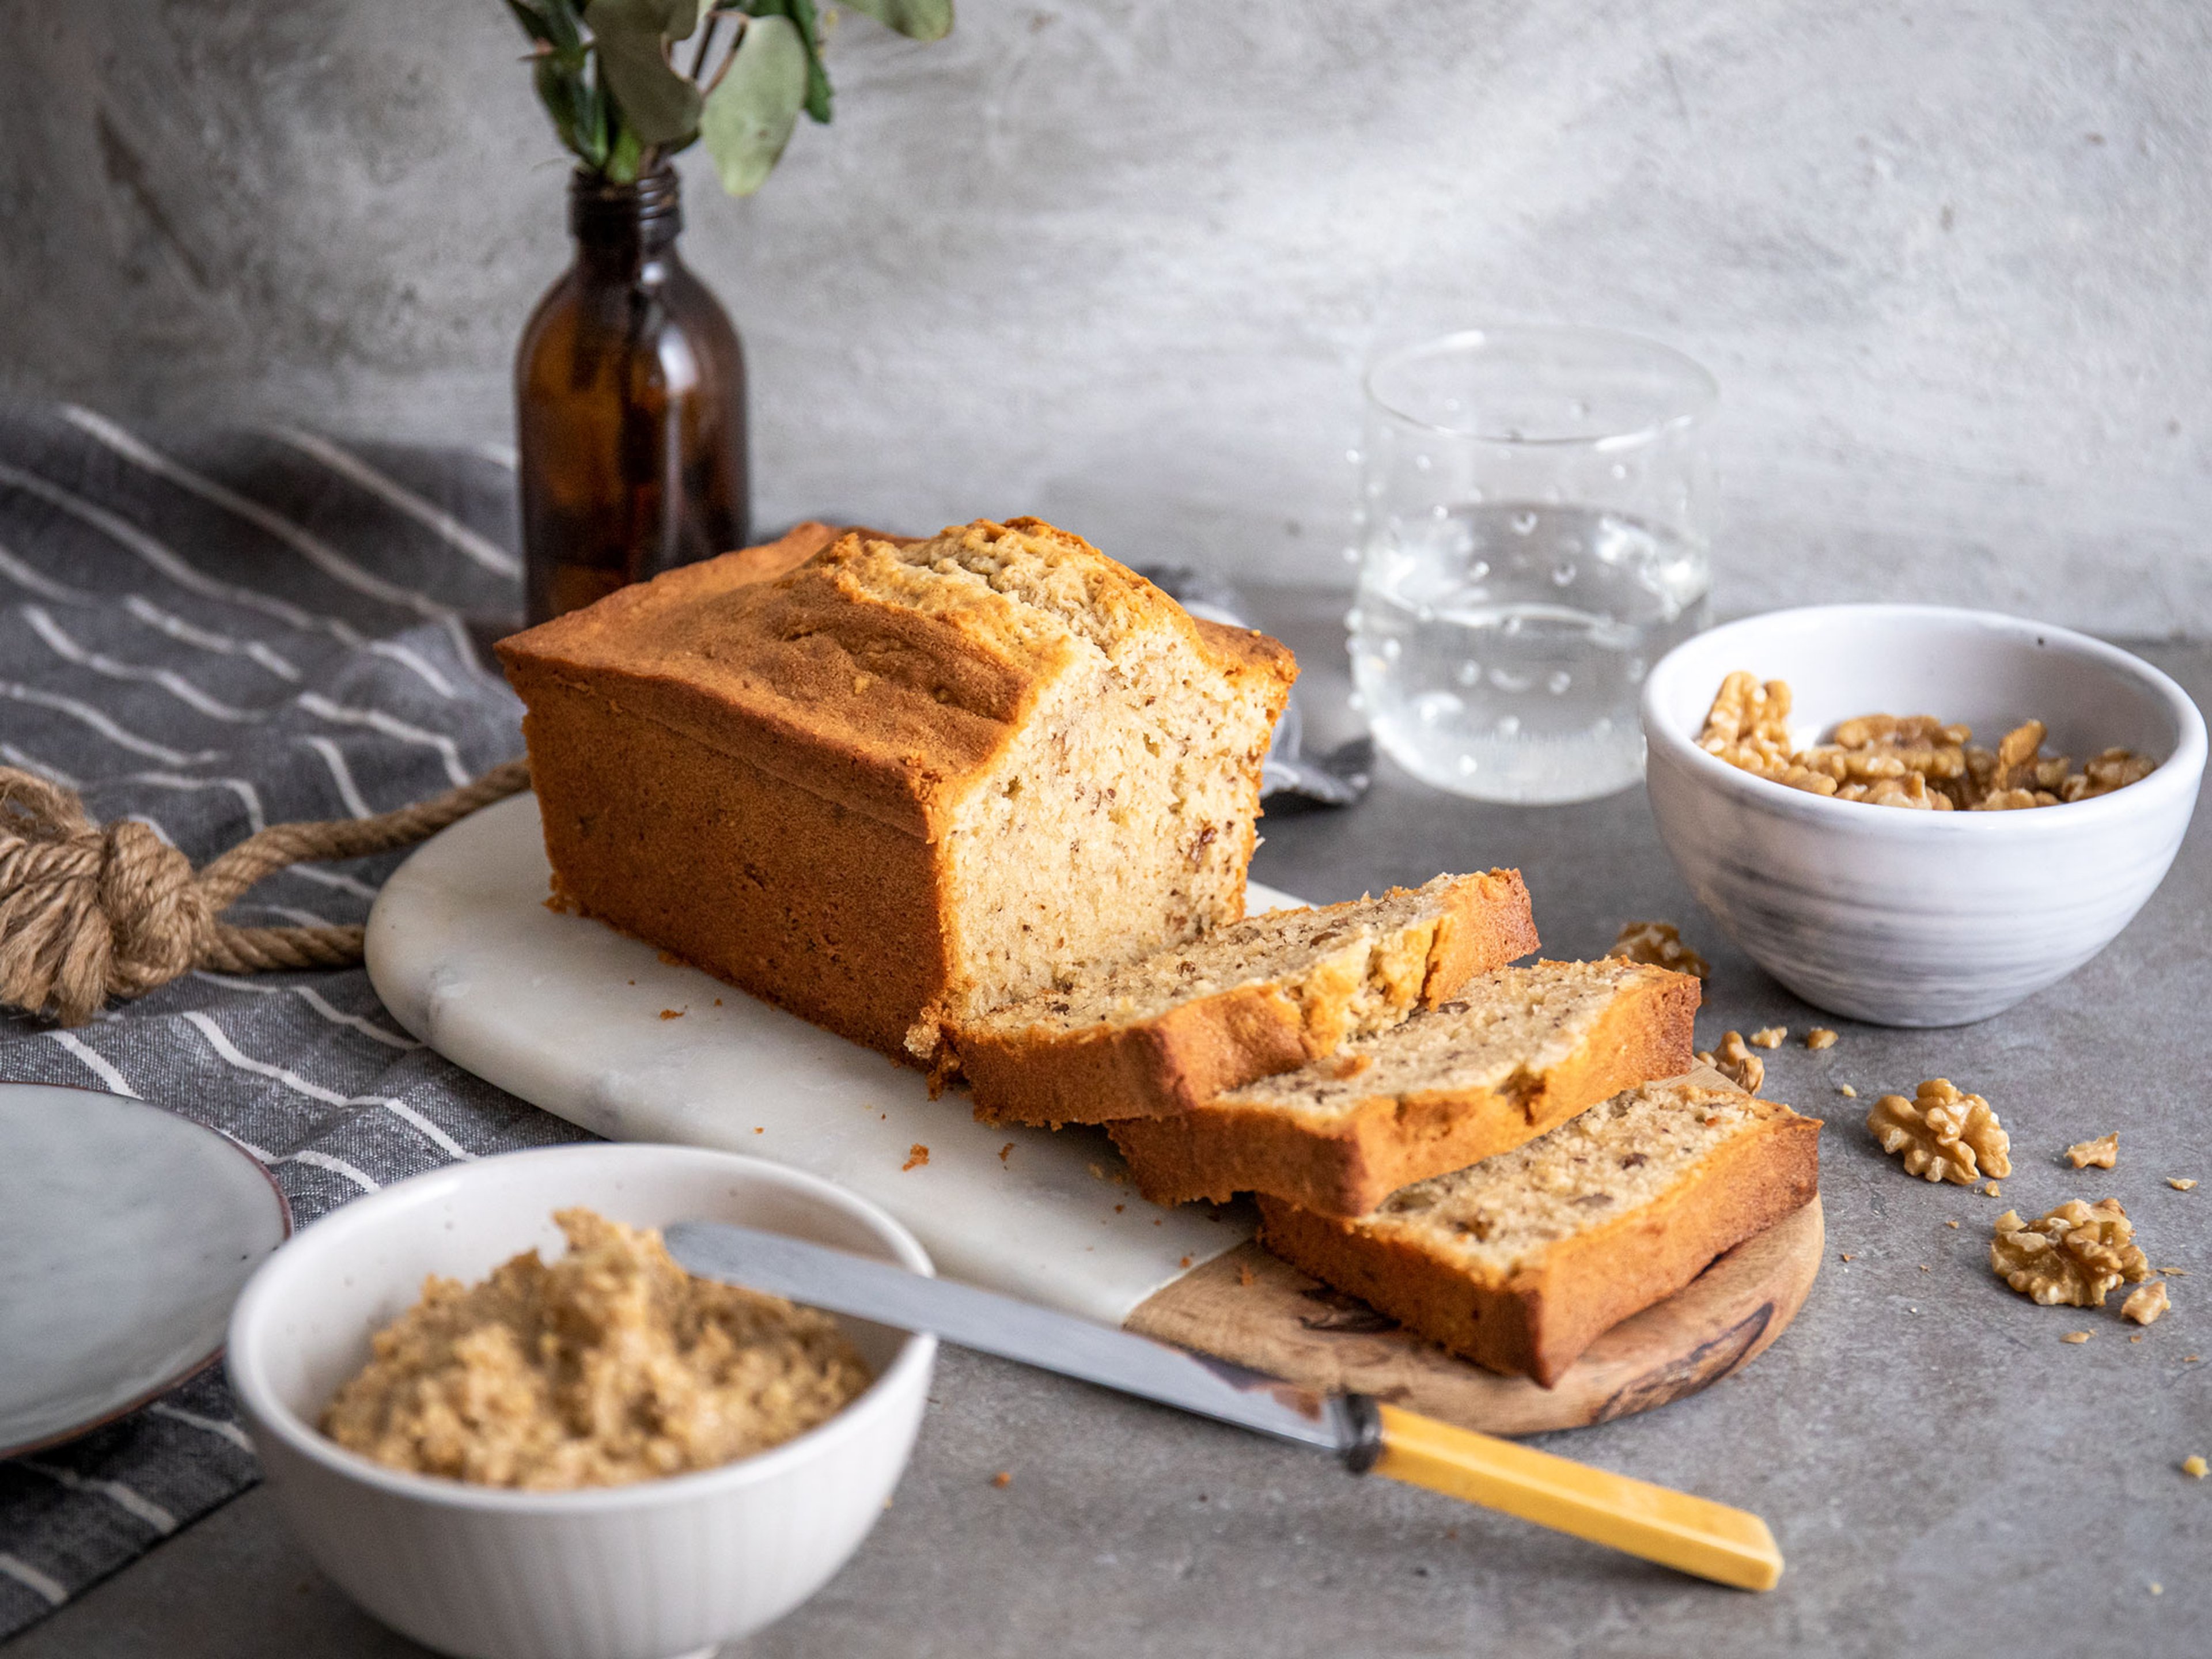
<point x="106" y="727"/>
<point x="377" y="721"/>
<point x="313" y="999"/>
<point x="214" y="1425"/>
<point x="348" y="465"/>
<point x="228" y="1051"/>
<point x="44" y="625"/>
<point x="170" y="564"/>
<point x="98" y="1065"/>
<point x="32" y="1579"/>
<point x="342" y="775"/>
<point x="15" y="756"/>
<point x="145" y="1509"/>
<point x="312" y="548"/>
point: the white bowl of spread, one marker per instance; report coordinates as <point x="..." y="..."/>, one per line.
<point x="640" y="1570"/>
<point x="1917" y="918"/>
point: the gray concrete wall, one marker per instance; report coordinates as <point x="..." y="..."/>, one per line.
<point x="1118" y="261"/>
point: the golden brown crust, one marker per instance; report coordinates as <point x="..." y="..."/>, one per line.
<point x="743" y="897"/>
<point x="1198" y="1049"/>
<point x="813" y="678"/>
<point x="1538" y="1322"/>
<point x="1349" y="1165"/>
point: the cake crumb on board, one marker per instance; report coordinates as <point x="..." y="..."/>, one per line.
<point x="1003" y="1478"/>
<point x="916" y="1156"/>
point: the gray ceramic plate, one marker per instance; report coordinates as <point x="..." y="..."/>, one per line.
<point x="125" y="1234"/>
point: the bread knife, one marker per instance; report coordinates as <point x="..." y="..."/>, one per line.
<point x="1690" y="1533"/>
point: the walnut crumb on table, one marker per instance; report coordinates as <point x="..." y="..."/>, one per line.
<point x="1944" y="1133"/>
<point x="2075" y="1337"/>
<point x="2144" y="1306"/>
<point x="1820" y="1037"/>
<point x="1003" y="1478"/>
<point x="2195" y="1467"/>
<point x="1769" y="1037"/>
<point x="2180" y="1183"/>
<point x="2103" y="1152"/>
<point x="1847" y="1091"/>
<point x="1991" y="1189"/>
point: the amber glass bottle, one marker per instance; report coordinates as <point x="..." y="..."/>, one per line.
<point x="629" y="406"/>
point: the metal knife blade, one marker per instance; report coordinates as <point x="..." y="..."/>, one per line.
<point x="865" y="1289"/>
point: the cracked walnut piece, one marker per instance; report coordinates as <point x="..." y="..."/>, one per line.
<point x="2103" y="1152"/>
<point x="1945" y="1133"/>
<point x="2145" y="1305"/>
<point x="1660" y="945"/>
<point x="2074" y="1257"/>
<point x="1735" y="1062"/>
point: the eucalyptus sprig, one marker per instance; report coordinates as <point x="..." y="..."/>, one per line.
<point x="606" y="72"/>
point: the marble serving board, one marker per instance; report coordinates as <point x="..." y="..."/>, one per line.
<point x="569" y="1015"/>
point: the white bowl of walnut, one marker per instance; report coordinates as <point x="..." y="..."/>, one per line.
<point x="1956" y="911"/>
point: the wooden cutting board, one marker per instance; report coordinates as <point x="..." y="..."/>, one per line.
<point x="599" y="1029"/>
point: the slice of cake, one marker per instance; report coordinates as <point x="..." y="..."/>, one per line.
<point x="1255" y="997"/>
<point x="1516" y="1052"/>
<point x="1521" y="1261"/>
<point x="900" y="783"/>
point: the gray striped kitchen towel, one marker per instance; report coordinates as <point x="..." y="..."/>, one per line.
<point x="212" y="635"/>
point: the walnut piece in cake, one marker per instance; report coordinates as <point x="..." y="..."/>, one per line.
<point x="1945" y="1133"/>
<point x="2074" y="1257"/>
<point x="1659" y="944"/>
<point x="2103" y="1152"/>
<point x="1735" y="1062"/>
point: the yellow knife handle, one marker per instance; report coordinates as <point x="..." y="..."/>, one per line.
<point x="1691" y="1535"/>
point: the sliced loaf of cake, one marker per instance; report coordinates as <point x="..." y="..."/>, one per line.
<point x="1520" y="1261"/>
<point x="1251" y="998"/>
<point x="1516" y="1052"/>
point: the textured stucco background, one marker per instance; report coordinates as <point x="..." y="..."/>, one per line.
<point x="1119" y="262"/>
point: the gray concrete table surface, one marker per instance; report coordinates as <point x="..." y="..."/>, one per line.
<point x="1945" y="1475"/>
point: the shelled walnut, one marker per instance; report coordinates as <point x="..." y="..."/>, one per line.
<point x="1913" y="761"/>
<point x="1659" y="944"/>
<point x="2075" y="1256"/>
<point x="1735" y="1062"/>
<point x="1945" y="1133"/>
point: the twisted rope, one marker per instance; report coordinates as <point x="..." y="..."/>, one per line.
<point x="88" y="911"/>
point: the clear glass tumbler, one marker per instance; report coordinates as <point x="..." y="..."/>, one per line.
<point x="1533" y="536"/>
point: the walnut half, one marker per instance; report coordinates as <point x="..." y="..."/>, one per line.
<point x="1735" y="1062"/>
<point x="1945" y="1133"/>
<point x="2073" y="1257"/>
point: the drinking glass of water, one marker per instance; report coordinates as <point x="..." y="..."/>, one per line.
<point x="1533" y="536"/>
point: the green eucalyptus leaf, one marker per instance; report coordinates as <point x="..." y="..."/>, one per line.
<point x="801" y="13"/>
<point x="659" y="105"/>
<point x="532" y="24"/>
<point x="751" y="109"/>
<point x="565" y="28"/>
<point x="622" y="157"/>
<point x="918" y="20"/>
